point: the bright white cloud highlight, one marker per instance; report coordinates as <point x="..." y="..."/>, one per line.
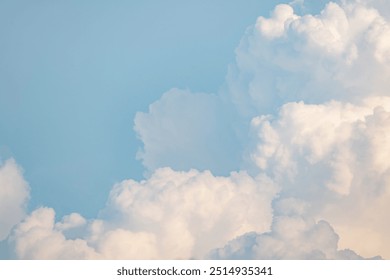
<point x="175" y="215"/>
<point x="335" y="157"/>
<point x="341" y="54"/>
<point x="37" y="238"/>
<point x="291" y="237"/>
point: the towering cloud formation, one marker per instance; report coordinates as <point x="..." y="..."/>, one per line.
<point x="312" y="91"/>
<point x="305" y="111"/>
<point x="319" y="85"/>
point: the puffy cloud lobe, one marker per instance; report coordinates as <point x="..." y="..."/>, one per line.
<point x="292" y="236"/>
<point x="341" y="54"/>
<point x="335" y="156"/>
<point x="171" y="215"/>
<point x="274" y="27"/>
<point x="38" y="238"/>
<point x="14" y="193"/>
<point x="186" y="130"/>
<point x="382" y="6"/>
<point x="73" y="220"/>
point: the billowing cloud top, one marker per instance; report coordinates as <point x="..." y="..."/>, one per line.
<point x="304" y="114"/>
<point x="342" y="53"/>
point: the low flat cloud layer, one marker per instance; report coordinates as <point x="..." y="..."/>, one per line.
<point x="288" y="161"/>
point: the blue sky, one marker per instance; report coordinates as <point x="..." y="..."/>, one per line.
<point x="73" y="75"/>
<point x="196" y="129"/>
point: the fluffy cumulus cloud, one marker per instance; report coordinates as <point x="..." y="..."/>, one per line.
<point x="14" y="193"/>
<point x="382" y="6"/>
<point x="176" y="215"/>
<point x="325" y="145"/>
<point x="39" y="237"/>
<point x="342" y="53"/>
<point x="304" y="113"/>
<point x="186" y="130"/>
<point x="311" y="91"/>
<point x="321" y="88"/>
<point x="291" y="237"/>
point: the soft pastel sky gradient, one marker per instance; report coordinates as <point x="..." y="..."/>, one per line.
<point x="74" y="73"/>
<point x="194" y="129"/>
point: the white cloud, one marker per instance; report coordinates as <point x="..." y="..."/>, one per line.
<point x="14" y="193"/>
<point x="335" y="157"/>
<point x="171" y="215"/>
<point x="382" y="6"/>
<point x="183" y="130"/>
<point x="37" y="238"/>
<point x="275" y="26"/>
<point x="291" y="237"/>
<point x="73" y="220"/>
<point x="305" y="111"/>
<point x="315" y="88"/>
<point x="341" y="54"/>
